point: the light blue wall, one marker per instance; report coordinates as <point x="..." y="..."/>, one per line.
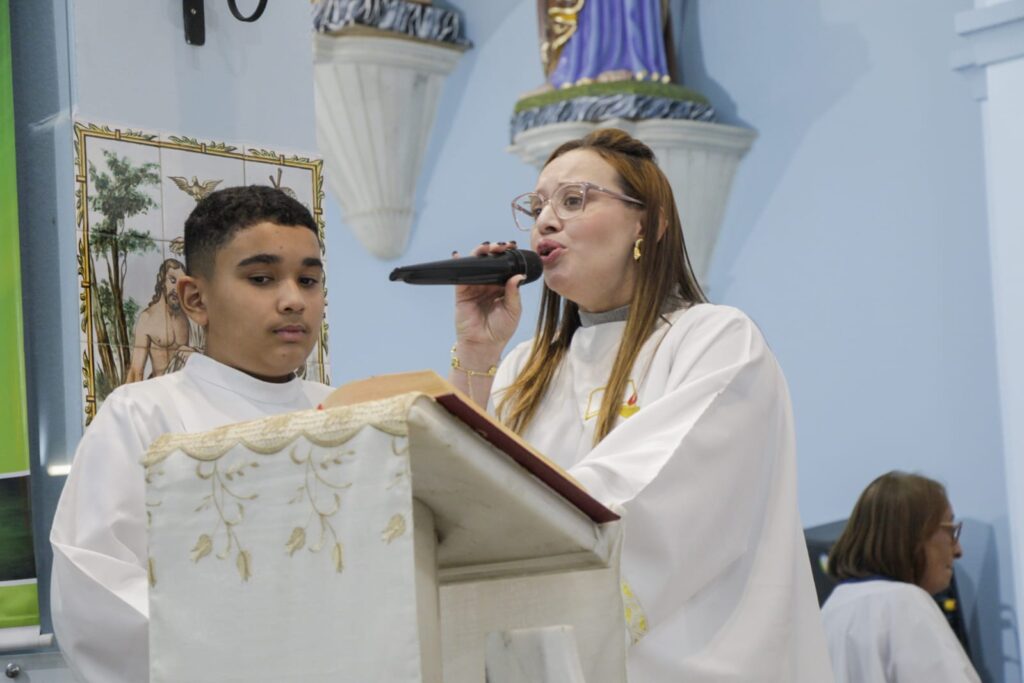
<point x="855" y="234"/>
<point x="856" y="237"/>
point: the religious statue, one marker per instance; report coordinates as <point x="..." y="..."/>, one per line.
<point x="593" y="41"/>
<point x="606" y="60"/>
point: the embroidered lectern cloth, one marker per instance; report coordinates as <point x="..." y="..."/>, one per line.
<point x="283" y="550"/>
<point x="267" y="537"/>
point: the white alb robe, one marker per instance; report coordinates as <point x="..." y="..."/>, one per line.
<point x="706" y="471"/>
<point x="892" y="632"/>
<point x="99" y="592"/>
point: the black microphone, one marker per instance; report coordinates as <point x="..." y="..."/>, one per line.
<point x="488" y="269"/>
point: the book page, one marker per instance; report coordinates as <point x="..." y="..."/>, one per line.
<point x="466" y="410"/>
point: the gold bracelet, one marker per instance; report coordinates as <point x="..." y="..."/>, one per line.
<point x="471" y="373"/>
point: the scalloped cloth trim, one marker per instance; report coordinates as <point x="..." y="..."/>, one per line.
<point x="327" y="428"/>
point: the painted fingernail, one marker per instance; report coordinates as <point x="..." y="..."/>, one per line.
<point x="501" y="243"/>
<point x="485" y="242"/>
<point x="454" y="253"/>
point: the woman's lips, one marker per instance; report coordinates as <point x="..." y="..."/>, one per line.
<point x="549" y="252"/>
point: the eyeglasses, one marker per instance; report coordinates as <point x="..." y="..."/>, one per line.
<point x="954" y="528"/>
<point x="568" y="201"/>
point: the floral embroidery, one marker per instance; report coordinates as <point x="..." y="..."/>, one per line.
<point x="313" y="490"/>
<point x="394" y="529"/>
<point x="320" y="489"/>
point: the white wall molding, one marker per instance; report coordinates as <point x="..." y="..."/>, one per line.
<point x="993" y="34"/>
<point x="994" y="64"/>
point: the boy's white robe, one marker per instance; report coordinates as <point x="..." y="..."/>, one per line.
<point x="706" y="471"/>
<point x="889" y="632"/>
<point x="99" y="594"/>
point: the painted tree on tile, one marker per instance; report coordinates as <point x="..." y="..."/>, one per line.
<point x="118" y="196"/>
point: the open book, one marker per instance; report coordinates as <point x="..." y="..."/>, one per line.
<point x="461" y="406"/>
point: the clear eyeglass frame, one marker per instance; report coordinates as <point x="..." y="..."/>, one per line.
<point x="527" y="207"/>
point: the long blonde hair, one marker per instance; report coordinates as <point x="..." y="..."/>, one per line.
<point x="663" y="273"/>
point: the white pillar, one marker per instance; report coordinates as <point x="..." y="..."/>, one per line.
<point x="993" y="61"/>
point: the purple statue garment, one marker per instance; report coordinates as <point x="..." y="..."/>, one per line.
<point x="613" y="36"/>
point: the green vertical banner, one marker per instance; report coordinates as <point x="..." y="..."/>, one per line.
<point x="19" y="600"/>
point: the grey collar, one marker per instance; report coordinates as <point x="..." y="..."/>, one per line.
<point x="616" y="315"/>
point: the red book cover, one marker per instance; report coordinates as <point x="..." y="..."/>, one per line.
<point x="467" y="411"/>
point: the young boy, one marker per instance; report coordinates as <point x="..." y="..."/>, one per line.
<point x="255" y="283"/>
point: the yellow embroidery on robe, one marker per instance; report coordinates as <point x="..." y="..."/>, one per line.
<point x="636" y="619"/>
<point x="628" y="408"/>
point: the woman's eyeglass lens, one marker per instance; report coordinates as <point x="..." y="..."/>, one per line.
<point x="567" y="202"/>
<point x="954" y="529"/>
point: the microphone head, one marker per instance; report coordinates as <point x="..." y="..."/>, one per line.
<point x="532" y="266"/>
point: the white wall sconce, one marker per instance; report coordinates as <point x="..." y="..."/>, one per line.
<point x="378" y="72"/>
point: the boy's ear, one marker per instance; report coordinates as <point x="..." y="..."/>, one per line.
<point x="193" y="299"/>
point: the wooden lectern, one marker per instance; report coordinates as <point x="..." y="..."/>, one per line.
<point x="384" y="539"/>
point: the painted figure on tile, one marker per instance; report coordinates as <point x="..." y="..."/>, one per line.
<point x="195" y="189"/>
<point x="587" y="41"/>
<point x="162" y="329"/>
<point x="276" y="182"/>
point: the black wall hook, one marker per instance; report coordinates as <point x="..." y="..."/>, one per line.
<point x="195" y="22"/>
<point x="256" y="13"/>
<point x="195" y="18"/>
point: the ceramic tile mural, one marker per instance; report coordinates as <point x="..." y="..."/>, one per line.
<point x="134" y="191"/>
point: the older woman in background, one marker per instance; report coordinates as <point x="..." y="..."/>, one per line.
<point x="896" y="552"/>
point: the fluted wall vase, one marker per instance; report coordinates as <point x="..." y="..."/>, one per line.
<point x="376" y="99"/>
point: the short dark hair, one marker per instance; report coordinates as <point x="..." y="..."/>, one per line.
<point x="888" y="527"/>
<point x="219" y="215"/>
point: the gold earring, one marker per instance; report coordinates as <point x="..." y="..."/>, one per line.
<point x="636" y="248"/>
